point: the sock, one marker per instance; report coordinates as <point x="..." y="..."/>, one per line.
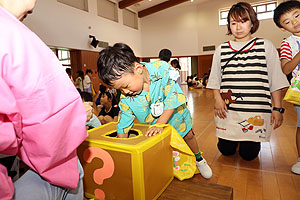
<point x="299" y="159"/>
<point x="198" y="156"/>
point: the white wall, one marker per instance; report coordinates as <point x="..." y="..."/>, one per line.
<point x="187" y="28"/>
<point x="64" y="26"/>
<point x="174" y="28"/>
<point x="184" y="29"/>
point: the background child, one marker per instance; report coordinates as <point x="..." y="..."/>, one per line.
<point x="176" y="65"/>
<point x="79" y="80"/>
<point x="102" y="89"/>
<point x="110" y="109"/>
<point x="87" y="83"/>
<point x="69" y="72"/>
<point x="243" y="82"/>
<point x="150" y="94"/>
<point x="287" y="18"/>
<point x="92" y="120"/>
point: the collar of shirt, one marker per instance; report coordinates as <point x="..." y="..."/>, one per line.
<point x="154" y="74"/>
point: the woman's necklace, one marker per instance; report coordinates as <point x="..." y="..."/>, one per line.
<point x="108" y="109"/>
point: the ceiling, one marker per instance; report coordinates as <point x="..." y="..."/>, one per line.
<point x="146" y="7"/>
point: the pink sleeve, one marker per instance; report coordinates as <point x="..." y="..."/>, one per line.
<point x="9" y="121"/>
<point x="7" y="187"/>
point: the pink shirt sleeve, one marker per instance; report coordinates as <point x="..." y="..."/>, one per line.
<point x="9" y="121"/>
<point x="7" y="187"/>
<point x="42" y="118"/>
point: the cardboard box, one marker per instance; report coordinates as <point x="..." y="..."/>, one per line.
<point x="135" y="168"/>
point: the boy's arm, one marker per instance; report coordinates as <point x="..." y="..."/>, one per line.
<point x="289" y="65"/>
<point x="163" y="119"/>
<point x="174" y="98"/>
<point x="126" y="120"/>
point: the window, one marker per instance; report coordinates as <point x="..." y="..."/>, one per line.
<point x="108" y="10"/>
<point x="63" y="56"/>
<point x="130" y="18"/>
<point x="264" y="10"/>
<point x="80" y="4"/>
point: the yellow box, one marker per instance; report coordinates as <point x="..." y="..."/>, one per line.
<point x="135" y="168"/>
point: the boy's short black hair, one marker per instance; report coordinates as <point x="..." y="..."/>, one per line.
<point x="114" y="61"/>
<point x="283" y="8"/>
<point x="86" y="96"/>
<point x="165" y="55"/>
<point x="88" y="71"/>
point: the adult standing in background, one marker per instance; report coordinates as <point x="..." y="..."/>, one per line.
<point x="87" y="83"/>
<point x="79" y="80"/>
<point x="165" y="55"/>
<point x="69" y="72"/>
<point x="42" y="118"/>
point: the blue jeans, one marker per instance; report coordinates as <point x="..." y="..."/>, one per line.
<point x="32" y="186"/>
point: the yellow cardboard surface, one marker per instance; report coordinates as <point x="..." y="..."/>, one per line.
<point x="136" y="168"/>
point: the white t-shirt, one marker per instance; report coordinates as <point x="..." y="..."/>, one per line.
<point x="86" y="82"/>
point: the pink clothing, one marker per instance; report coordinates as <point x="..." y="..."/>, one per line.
<point x="40" y="121"/>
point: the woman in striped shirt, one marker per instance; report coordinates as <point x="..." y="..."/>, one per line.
<point x="245" y="74"/>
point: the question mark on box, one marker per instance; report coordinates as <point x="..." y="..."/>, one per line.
<point x="103" y="173"/>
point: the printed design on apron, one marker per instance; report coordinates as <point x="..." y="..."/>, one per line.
<point x="252" y="123"/>
<point x="227" y="97"/>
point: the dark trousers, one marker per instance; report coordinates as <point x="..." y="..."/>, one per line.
<point x="248" y="150"/>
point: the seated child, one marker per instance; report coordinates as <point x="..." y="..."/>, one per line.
<point x="110" y="109"/>
<point x="102" y="89"/>
<point x="189" y="81"/>
<point x="150" y="94"/>
<point x="92" y="120"/>
<point x="198" y="83"/>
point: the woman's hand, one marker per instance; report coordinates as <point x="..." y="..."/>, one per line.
<point x="276" y="119"/>
<point x="153" y="131"/>
<point x="220" y="108"/>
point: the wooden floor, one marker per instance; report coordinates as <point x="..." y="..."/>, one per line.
<point x="266" y="177"/>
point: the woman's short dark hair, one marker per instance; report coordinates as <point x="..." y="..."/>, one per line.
<point x="241" y="12"/>
<point x="283" y="8"/>
<point x="114" y="61"/>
